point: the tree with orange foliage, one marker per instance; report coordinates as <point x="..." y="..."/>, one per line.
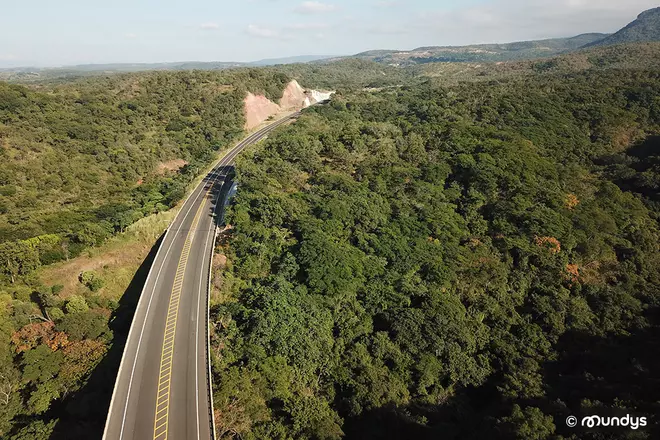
<point x="550" y="243"/>
<point x="571" y="201"/>
<point x="80" y="357"/>
<point x="31" y="335"/>
<point x="57" y="341"/>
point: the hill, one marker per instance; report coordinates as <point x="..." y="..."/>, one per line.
<point x="481" y="52"/>
<point x="634" y="56"/>
<point x="31" y="74"/>
<point x="645" y="28"/>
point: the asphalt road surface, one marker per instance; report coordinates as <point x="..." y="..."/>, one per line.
<point x="162" y="388"/>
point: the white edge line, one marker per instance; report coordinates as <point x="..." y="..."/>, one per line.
<point x="142" y="296"/>
<point x="208" y="316"/>
<point x="208" y="292"/>
<point x="197" y="326"/>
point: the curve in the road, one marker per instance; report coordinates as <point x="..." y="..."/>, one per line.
<point x="158" y="377"/>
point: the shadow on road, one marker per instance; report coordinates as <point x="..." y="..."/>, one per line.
<point x="82" y="414"/>
<point x="219" y="194"/>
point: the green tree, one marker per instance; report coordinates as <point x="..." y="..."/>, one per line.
<point x="36" y="430"/>
<point x="529" y="423"/>
<point x="76" y="304"/>
<point x="18" y="258"/>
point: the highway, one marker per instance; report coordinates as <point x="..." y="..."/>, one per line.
<point x="162" y="388"/>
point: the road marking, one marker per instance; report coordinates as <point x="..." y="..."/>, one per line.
<point x="165" y="371"/>
<point x="222" y="163"/>
<point x="199" y="295"/>
<point x="144" y="324"/>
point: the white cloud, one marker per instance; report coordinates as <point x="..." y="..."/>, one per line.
<point x="307" y="26"/>
<point x="209" y="26"/>
<point x="515" y="20"/>
<point x="130" y="35"/>
<point x="314" y="7"/>
<point x="263" y="32"/>
<point x="8" y="57"/>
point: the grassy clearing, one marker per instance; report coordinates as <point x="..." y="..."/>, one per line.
<point x="116" y="261"/>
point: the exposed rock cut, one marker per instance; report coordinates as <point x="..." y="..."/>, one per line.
<point x="258" y="108"/>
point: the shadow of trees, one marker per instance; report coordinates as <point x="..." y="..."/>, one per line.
<point x="609" y="376"/>
<point x="82" y="414"/>
<point x="603" y="375"/>
<point x="637" y="168"/>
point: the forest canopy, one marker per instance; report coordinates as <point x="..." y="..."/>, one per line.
<point x="477" y="260"/>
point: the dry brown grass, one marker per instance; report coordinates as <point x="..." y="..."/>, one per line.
<point x="116" y="261"/>
<point x="170" y="165"/>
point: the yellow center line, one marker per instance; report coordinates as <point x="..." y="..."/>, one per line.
<point x="165" y="372"/>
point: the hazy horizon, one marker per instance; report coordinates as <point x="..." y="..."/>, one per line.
<point x="45" y="34"/>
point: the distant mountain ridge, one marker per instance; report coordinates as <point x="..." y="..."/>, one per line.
<point x="179" y="65"/>
<point x="645" y="28"/>
<point x="291" y="60"/>
<point x="519" y="50"/>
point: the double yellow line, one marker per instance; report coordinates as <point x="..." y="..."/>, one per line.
<point x="167" y="356"/>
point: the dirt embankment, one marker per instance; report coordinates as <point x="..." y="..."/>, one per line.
<point x="294" y="97"/>
<point x="258" y="108"/>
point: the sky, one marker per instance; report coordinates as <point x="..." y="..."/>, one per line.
<point x="68" y="32"/>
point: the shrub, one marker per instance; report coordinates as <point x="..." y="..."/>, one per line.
<point x="92" y="280"/>
<point x="55" y="313"/>
<point x="76" y="304"/>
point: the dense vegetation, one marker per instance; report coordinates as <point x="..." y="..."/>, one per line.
<point x="469" y="261"/>
<point x="641" y="56"/>
<point x="78" y="164"/>
<point x="81" y="161"/>
<point x="345" y="73"/>
<point x="466" y="259"/>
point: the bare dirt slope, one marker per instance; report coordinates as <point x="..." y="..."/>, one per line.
<point x="258" y="108"/>
<point x="294" y="97"/>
